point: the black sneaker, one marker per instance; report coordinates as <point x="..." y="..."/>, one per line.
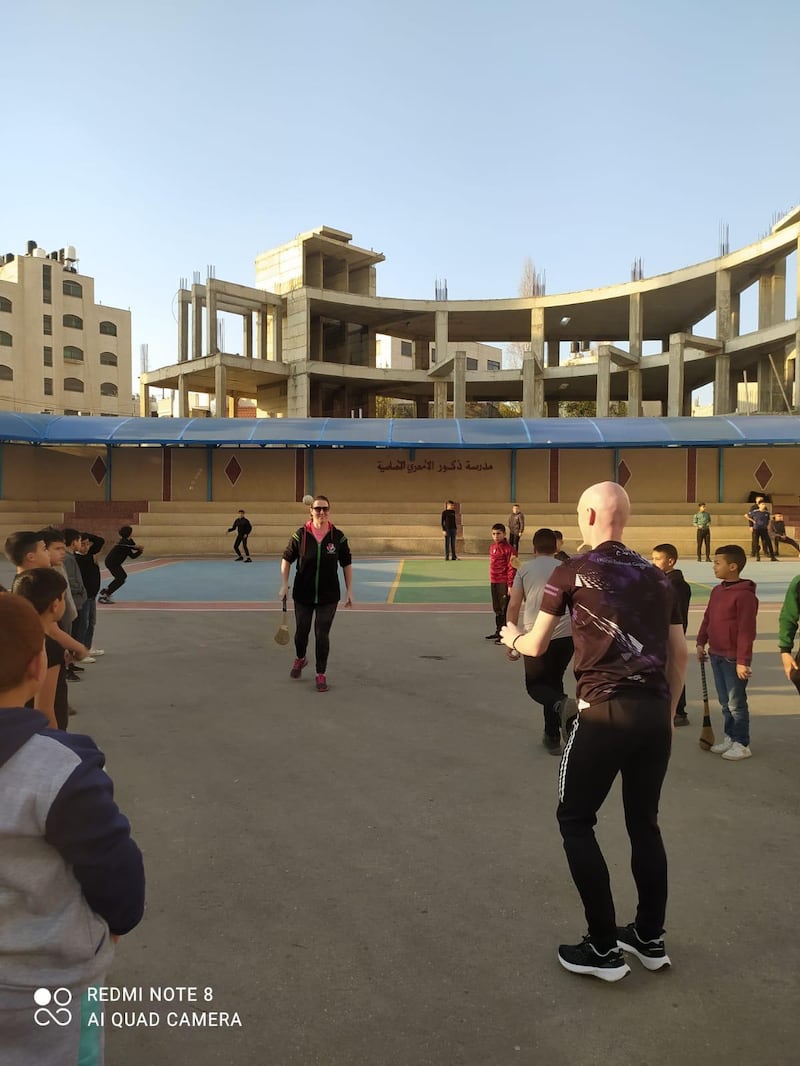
<point x="585" y="958"/>
<point x="680" y="719"/>
<point x="552" y="744"/>
<point x="492" y="636"/>
<point x="650" y="953"/>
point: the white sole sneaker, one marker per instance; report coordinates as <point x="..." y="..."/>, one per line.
<point x="605" y="974"/>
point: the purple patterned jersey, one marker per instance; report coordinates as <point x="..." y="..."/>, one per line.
<point x="621" y="607"/>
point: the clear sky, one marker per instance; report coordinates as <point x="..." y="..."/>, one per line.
<point x="456" y="138"/>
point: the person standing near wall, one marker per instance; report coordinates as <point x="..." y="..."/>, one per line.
<point x="450" y="529"/>
<point x="702" y="523"/>
<point x="243" y="530"/>
<point x="516" y="526"/>
<point x="319" y="549"/>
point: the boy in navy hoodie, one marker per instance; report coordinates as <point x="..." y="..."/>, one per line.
<point x="71" y="877"/>
<point x="729" y="629"/>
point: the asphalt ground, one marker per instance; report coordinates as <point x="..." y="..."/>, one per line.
<point x="374" y="875"/>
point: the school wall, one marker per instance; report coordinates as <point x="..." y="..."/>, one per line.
<point x="250" y="475"/>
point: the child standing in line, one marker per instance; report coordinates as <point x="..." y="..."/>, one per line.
<point x="516" y="526"/>
<point x="729" y="629"/>
<point x="501" y="577"/>
<point x="702" y="523"/>
<point x="664" y="558"/>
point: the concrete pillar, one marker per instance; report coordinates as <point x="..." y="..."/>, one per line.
<point x="460" y="385"/>
<point x="724" y="402"/>
<point x="372" y="346"/>
<point x="532" y="364"/>
<point x="277" y="333"/>
<point x="603" y="395"/>
<point x="261" y="335"/>
<point x="724" y="397"/>
<point x="212" y="347"/>
<point x="183" y="397"/>
<point x="723" y="305"/>
<point x="298" y="398"/>
<point x="779" y="292"/>
<point x="635" y="341"/>
<point x="183" y="325"/>
<point x="554" y="353"/>
<point x="439" y="399"/>
<point x="197" y="322"/>
<point x="144" y="400"/>
<point x="221" y="389"/>
<point x="440" y="336"/>
<point x="675" y="380"/>
<point x="796" y="401"/>
<point x="247" y="335"/>
<point x="422" y="354"/>
<point x="735" y="313"/>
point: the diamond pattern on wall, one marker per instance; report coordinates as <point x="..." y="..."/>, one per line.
<point x="763" y="475"/>
<point x="624" y="474"/>
<point x="98" y="470"/>
<point x="233" y="470"/>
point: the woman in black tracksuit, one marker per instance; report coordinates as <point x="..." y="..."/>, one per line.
<point x="319" y="549"/>
<point x="125" y="548"/>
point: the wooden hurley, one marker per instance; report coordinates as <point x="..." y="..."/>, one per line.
<point x="707" y="738"/>
<point x="282" y="633"/>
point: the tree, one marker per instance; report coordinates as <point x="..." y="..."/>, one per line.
<point x="588" y="409"/>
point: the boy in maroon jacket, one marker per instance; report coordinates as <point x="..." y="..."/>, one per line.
<point x="729" y="629"/>
<point x="501" y="577"/>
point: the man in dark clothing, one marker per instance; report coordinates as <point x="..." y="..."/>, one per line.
<point x="760" y="520"/>
<point x="125" y="548"/>
<point x="630" y="658"/>
<point x="778" y="534"/>
<point x="450" y="529"/>
<point x="664" y="557"/>
<point x="90" y="545"/>
<point x="243" y="531"/>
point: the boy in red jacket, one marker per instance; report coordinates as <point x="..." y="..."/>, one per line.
<point x="729" y="629"/>
<point x="501" y="577"/>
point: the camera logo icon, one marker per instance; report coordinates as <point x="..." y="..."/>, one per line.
<point x="52" y="1006"/>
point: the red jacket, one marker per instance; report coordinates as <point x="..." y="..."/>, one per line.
<point x="729" y="624"/>
<point x="501" y="572"/>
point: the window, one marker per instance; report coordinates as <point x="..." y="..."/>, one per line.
<point x="47" y="325"/>
<point x="68" y="411"/>
<point x="5" y="303"/>
<point x="108" y="388"/>
<point x="433" y="355"/>
<point x="472" y="364"/>
<point x="72" y="288"/>
<point x="73" y="385"/>
<point x="405" y="348"/>
<point x="6" y="339"/>
<point x="6" y="373"/>
<point x="48" y="355"/>
<point x="109" y="328"/>
<point x="492" y="364"/>
<point x="108" y="359"/>
<point x="47" y="284"/>
<point x="48" y="386"/>
<point x="73" y="354"/>
<point x="72" y="322"/>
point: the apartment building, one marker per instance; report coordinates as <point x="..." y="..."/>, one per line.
<point x="60" y="351"/>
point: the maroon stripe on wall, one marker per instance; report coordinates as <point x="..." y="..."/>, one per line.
<point x="166" y="474"/>
<point x="554" y="475"/>
<point x="691" y="475"/>
<point x="299" y="473"/>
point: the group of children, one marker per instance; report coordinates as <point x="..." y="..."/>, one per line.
<point x="767" y="531"/>
<point x="725" y="638"/>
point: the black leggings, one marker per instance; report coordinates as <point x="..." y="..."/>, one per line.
<point x="241" y="539"/>
<point x="631" y="737"/>
<point x="544" y="679"/>
<point x="323" y="614"/>
<point x="120" y="577"/>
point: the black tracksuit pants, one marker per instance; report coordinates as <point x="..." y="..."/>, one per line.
<point x="631" y="737"/>
<point x="544" y="680"/>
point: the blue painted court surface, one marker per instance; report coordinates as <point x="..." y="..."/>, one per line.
<point x="380" y="581"/>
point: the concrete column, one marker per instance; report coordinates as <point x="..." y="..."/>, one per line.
<point x="183" y="397"/>
<point x="212" y="347"/>
<point x="221" y="389"/>
<point x="197" y="322"/>
<point x="532" y="364"/>
<point x="183" y="325"/>
<point x="298" y="399"/>
<point x="722" y="363"/>
<point x="724" y="398"/>
<point x="796" y="401"/>
<point x="635" y="341"/>
<point x="675" y="380"/>
<point x="144" y="400"/>
<point x="277" y="333"/>
<point x="603" y="396"/>
<point x="735" y="313"/>
<point x="553" y="353"/>
<point x="723" y="305"/>
<point x="372" y="346"/>
<point x="261" y="335"/>
<point x="440" y="336"/>
<point x="460" y="385"/>
<point x="247" y="335"/>
<point x="439" y="399"/>
<point x="779" y="292"/>
<point x="422" y="354"/>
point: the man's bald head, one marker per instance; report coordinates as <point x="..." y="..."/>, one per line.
<point x="603" y="510"/>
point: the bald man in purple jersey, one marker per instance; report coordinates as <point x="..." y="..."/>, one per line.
<point x="630" y="660"/>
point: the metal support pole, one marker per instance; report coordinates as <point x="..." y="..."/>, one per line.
<point x="108" y="473"/>
<point x="209" y="472"/>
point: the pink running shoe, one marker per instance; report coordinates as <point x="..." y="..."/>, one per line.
<point x="297" y="669"/>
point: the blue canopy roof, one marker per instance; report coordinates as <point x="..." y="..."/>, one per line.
<point x="404" y="432"/>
